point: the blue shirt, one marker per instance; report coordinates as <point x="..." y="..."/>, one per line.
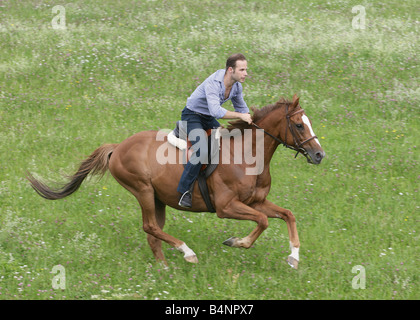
<point x="209" y="96"/>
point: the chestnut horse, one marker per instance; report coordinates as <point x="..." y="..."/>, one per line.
<point x="233" y="193"/>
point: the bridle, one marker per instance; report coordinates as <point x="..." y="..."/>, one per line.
<point x="298" y="144"/>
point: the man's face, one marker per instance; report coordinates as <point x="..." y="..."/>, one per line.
<point x="239" y="73"/>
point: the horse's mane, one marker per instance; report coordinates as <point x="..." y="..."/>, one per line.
<point x="258" y="114"/>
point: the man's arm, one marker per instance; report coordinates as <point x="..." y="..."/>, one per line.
<point x="238" y="100"/>
<point x="216" y="110"/>
<point x="237" y="115"/>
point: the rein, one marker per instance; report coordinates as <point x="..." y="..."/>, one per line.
<point x="298" y="146"/>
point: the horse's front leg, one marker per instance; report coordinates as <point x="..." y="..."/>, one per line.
<point x="238" y="210"/>
<point x="274" y="211"/>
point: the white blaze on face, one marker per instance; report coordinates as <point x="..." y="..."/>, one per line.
<point x="308" y="123"/>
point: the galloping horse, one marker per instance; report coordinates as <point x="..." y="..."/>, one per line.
<point x="233" y="193"/>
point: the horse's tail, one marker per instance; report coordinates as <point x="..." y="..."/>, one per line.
<point x="96" y="164"/>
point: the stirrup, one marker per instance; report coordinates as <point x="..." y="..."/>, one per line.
<point x="186" y="200"/>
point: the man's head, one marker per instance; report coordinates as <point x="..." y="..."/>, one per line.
<point x="236" y="66"/>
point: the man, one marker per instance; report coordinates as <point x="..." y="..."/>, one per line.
<point x="204" y="107"/>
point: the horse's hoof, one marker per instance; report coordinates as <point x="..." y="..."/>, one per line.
<point x="231" y="242"/>
<point x="292" y="262"/>
<point x="191" y="259"/>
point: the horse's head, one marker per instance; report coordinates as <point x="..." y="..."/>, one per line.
<point x="300" y="135"/>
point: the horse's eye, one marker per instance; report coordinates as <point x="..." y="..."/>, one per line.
<point x="299" y="126"/>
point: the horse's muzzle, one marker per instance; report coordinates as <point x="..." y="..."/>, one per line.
<point x="315" y="157"/>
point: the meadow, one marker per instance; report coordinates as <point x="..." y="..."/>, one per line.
<point x="120" y="67"/>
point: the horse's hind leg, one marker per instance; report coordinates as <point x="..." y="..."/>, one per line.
<point x="155" y="243"/>
<point x="149" y="207"/>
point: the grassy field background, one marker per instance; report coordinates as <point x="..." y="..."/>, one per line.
<point x="121" y="67"/>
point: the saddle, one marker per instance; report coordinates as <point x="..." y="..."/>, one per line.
<point x="178" y="138"/>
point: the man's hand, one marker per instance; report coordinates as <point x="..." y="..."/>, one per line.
<point x="246" y="117"/>
<point x="237" y="115"/>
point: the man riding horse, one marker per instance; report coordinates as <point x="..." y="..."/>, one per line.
<point x="204" y="106"/>
<point x="234" y="194"/>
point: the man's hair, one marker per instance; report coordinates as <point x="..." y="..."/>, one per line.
<point x="231" y="61"/>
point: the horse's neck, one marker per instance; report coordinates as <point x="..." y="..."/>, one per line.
<point x="273" y="126"/>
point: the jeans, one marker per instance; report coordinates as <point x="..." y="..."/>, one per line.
<point x="192" y="168"/>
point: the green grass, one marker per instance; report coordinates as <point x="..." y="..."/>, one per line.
<point x="123" y="67"/>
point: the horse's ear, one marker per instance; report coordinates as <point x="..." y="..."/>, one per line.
<point x="295" y="101"/>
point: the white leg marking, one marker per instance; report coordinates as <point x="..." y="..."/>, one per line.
<point x="308" y="123"/>
<point x="245" y="242"/>
<point x="295" y="252"/>
<point x="187" y="251"/>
